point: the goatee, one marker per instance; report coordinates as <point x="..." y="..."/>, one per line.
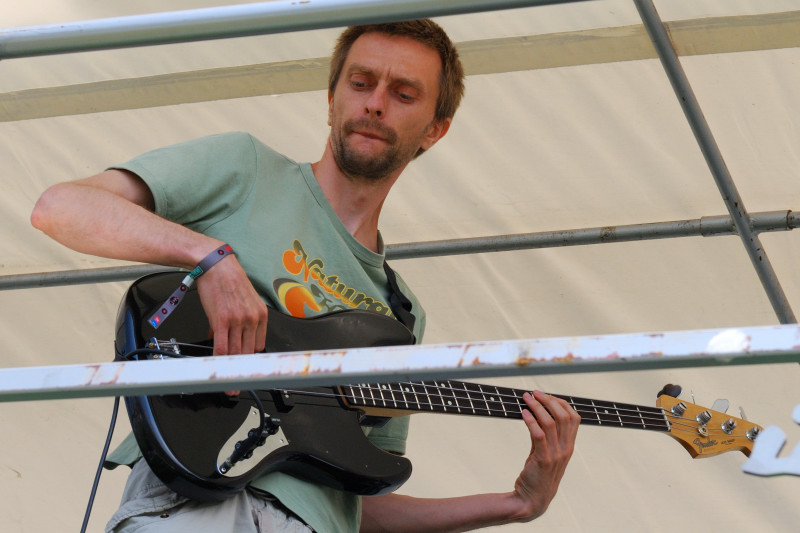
<point x="371" y="168"/>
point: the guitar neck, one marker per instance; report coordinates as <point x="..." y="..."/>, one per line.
<point x="457" y="397"/>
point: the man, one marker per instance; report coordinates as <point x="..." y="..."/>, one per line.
<point x="306" y="240"/>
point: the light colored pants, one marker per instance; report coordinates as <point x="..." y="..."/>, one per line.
<point x="148" y="506"/>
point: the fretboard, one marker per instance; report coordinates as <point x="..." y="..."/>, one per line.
<point x="458" y="397"/>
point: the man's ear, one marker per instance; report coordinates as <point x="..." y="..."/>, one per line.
<point x="330" y="108"/>
<point x="436" y="131"/>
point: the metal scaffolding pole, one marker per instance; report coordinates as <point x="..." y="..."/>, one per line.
<point x="231" y="21"/>
<point x="716" y="163"/>
<point x="705" y="226"/>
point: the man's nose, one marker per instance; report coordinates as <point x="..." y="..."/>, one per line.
<point x="376" y="103"/>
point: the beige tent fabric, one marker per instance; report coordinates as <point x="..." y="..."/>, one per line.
<point x="585" y="145"/>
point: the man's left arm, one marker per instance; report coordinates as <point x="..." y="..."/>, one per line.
<point x="553" y="427"/>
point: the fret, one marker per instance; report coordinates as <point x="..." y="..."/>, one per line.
<point x="603" y="414"/>
<point x="463" y="400"/>
<point x="363" y="398"/>
<point x="421" y="390"/>
<point x="501" y="401"/>
<point x="436" y="397"/>
<point x="519" y="403"/>
<point x="477" y="397"/>
<point x="352" y="396"/>
<point x="449" y="399"/>
<point x="410" y="389"/>
<point x="371" y="391"/>
<point x="641" y="418"/>
<point x="386" y="395"/>
<point x="465" y="395"/>
<point x="388" y="388"/>
<point x="657" y="419"/>
<point x="513" y="404"/>
<point x="588" y="413"/>
<point x="432" y="396"/>
<point x="571" y="401"/>
<point x="401" y="389"/>
<point x="494" y="404"/>
<point x="382" y="390"/>
<point x="631" y="415"/>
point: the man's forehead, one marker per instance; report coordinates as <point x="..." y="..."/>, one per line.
<point x="375" y="52"/>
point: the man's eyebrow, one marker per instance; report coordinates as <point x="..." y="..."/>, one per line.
<point x="363" y="69"/>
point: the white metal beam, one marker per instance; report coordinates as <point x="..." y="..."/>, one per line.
<point x="224" y="22"/>
<point x="754" y="345"/>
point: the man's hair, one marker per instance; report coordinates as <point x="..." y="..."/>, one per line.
<point x="425" y="31"/>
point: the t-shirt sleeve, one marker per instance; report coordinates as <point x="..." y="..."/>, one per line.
<point x="198" y="182"/>
<point x="391" y="436"/>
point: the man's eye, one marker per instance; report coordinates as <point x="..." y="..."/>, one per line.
<point x="358" y="84"/>
<point x="406" y="97"/>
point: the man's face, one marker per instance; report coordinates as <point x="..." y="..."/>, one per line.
<point x="383" y="106"/>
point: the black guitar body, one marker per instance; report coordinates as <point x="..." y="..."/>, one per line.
<point x="186" y="439"/>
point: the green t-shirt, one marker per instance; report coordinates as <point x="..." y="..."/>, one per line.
<point x="296" y="252"/>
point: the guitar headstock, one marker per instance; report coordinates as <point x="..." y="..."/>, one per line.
<point x="704" y="432"/>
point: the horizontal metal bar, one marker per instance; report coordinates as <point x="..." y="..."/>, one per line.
<point x="79" y="277"/>
<point x="705" y="226"/>
<point x="714" y="35"/>
<point x="757" y="345"/>
<point x="231" y="21"/>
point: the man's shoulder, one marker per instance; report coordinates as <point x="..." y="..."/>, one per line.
<point x="247" y="141"/>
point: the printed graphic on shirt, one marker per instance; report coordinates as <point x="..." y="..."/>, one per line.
<point x="316" y="291"/>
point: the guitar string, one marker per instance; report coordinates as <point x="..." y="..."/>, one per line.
<point x="515" y="405"/>
<point x="654" y="415"/>
<point x="659" y="420"/>
<point x="506" y="397"/>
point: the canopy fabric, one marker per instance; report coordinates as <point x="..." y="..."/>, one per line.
<point x="569" y="122"/>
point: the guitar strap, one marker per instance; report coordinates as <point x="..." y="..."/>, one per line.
<point x="401" y="305"/>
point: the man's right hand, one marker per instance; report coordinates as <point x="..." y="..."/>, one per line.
<point x="237" y="315"/>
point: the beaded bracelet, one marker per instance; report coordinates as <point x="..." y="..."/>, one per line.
<point x="177" y="297"/>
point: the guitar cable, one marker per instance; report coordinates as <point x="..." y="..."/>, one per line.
<point x="250" y="443"/>
<point x="93" y="492"/>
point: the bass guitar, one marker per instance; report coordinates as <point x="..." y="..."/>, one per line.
<point x="210" y="446"/>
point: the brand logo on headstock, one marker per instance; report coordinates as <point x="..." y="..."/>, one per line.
<point x="703" y="445"/>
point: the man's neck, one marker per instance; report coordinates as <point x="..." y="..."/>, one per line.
<point x="357" y="202"/>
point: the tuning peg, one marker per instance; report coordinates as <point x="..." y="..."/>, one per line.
<point x="721" y="405"/>
<point x="670" y="390"/>
<point x="741" y="413"/>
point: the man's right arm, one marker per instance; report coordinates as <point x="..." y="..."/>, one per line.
<point x="111" y="215"/>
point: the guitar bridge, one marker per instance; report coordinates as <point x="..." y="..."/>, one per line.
<point x="171" y="345"/>
<point x="232" y="460"/>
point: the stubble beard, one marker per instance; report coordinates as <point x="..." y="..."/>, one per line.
<point x="371" y="168"/>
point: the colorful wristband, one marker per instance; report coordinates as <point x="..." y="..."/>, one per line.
<point x="177" y="296"/>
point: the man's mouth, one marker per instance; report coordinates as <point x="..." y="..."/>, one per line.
<point x="369" y="135"/>
<point x="370" y="131"/>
